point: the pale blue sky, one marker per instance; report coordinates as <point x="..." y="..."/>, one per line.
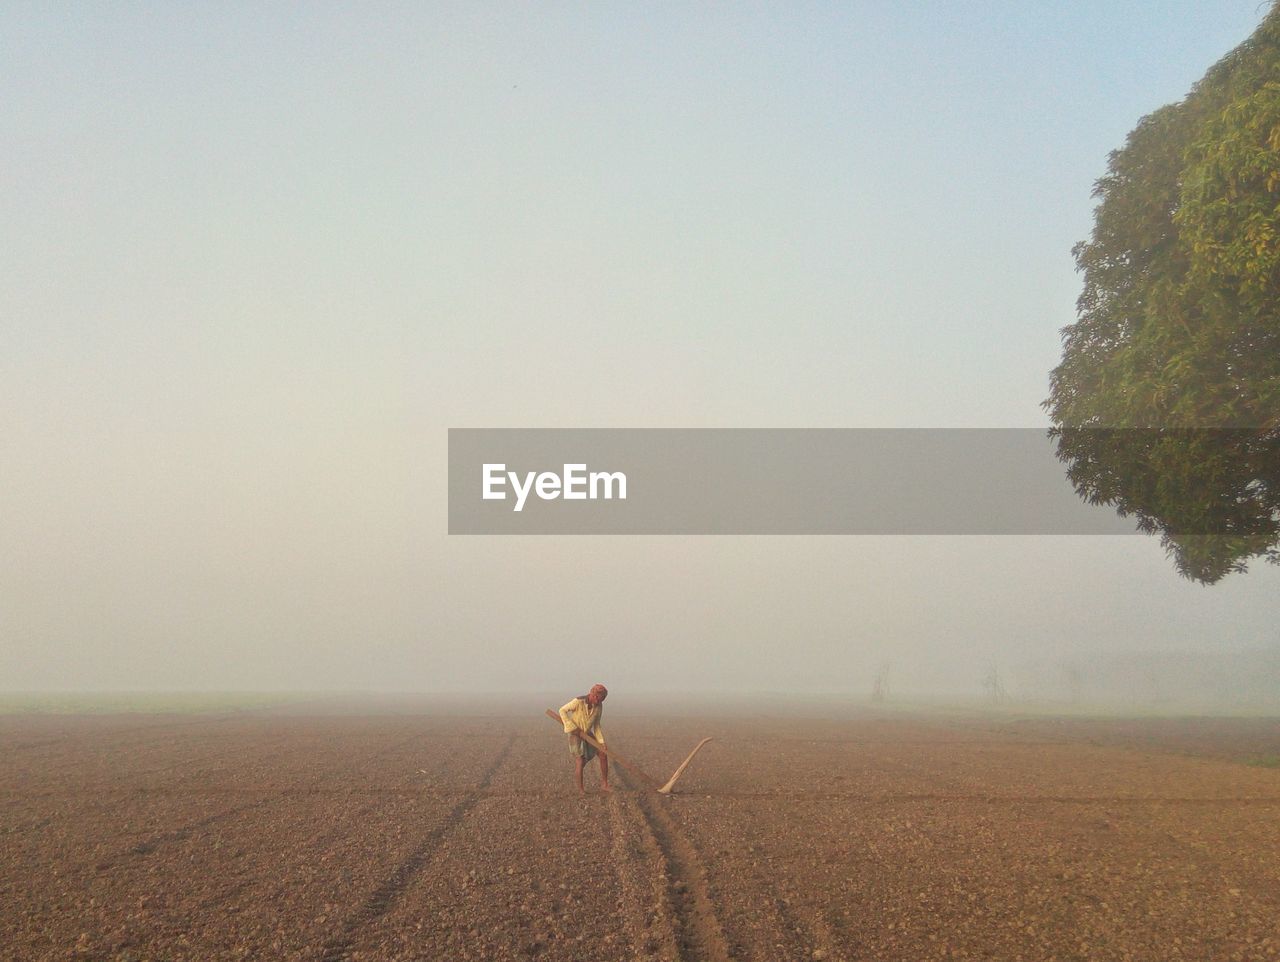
<point x="259" y="257"/>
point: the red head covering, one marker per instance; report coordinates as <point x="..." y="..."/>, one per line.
<point x="597" y="693"/>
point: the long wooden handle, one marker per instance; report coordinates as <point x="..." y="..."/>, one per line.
<point x="666" y="789"/>
<point x="629" y="766"/>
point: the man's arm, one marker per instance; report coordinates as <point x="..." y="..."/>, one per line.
<point x="566" y="718"/>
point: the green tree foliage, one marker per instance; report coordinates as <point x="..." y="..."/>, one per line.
<point x="1166" y="404"/>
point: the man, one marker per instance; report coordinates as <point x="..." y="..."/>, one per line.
<point x="583" y="714"/>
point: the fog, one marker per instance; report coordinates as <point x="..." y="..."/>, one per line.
<point x="258" y="262"/>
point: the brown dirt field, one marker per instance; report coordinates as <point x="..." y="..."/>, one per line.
<point x="845" y="835"/>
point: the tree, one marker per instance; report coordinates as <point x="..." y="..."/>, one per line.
<point x="1166" y="403"/>
<point x="994" y="686"/>
<point x="880" y="690"/>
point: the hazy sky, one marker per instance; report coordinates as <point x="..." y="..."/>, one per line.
<point x="257" y="259"/>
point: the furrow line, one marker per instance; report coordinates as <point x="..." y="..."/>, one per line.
<point x="698" y="932"/>
<point x="393" y="887"/>
<point x="182" y="833"/>
<point x="647" y="916"/>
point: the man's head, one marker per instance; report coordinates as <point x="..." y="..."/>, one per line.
<point x="597" y="694"/>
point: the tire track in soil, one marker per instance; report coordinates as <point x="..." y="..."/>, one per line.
<point x="340" y="947"/>
<point x="698" y="933"/>
<point x="646" y="917"/>
<point x="148" y="845"/>
<point x="320" y="839"/>
<point x="179" y="834"/>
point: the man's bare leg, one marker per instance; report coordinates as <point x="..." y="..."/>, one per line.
<point x="604" y="773"/>
<point x="578" y="763"/>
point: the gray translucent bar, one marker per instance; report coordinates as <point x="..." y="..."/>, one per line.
<point x="768" y="481"/>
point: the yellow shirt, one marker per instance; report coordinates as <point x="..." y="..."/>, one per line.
<point x="579" y="716"/>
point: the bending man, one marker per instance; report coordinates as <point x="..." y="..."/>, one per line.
<point x="582" y="714"/>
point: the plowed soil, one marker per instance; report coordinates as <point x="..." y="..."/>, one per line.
<point x="442" y="832"/>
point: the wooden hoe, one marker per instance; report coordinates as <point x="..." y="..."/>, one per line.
<point x="631" y="766"/>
